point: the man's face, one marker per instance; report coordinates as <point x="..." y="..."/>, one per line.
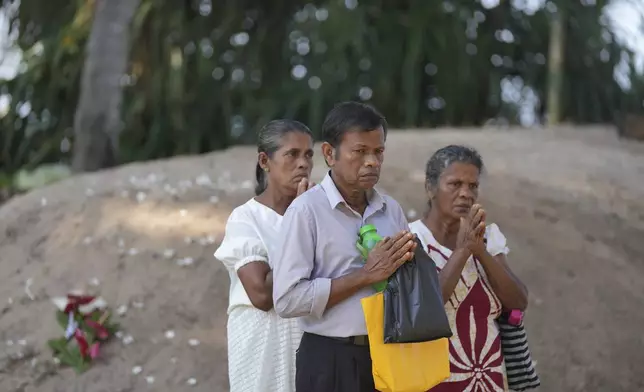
<point x="358" y="158"/>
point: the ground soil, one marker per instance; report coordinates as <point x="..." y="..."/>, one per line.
<point x="570" y="201"/>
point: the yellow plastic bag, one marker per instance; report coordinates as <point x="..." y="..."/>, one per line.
<point x="404" y="367"/>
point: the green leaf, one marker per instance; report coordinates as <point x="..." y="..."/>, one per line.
<point x="57" y="345"/>
<point x="62" y="319"/>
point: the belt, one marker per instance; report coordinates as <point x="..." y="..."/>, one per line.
<point x="361" y="340"/>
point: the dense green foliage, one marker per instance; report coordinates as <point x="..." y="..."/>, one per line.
<point x="205" y="75"/>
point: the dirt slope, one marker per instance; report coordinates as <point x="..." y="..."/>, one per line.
<point x="571" y="203"/>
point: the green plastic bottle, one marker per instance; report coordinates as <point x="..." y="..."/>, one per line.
<point x="368" y="237"/>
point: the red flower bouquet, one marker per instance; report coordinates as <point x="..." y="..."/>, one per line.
<point x="86" y="322"/>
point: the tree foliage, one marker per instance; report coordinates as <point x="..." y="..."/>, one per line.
<point x="204" y="75"/>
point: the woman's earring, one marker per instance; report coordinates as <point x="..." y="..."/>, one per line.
<point x="266" y="169"/>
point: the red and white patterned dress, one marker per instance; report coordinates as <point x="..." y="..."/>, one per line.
<point x="476" y="361"/>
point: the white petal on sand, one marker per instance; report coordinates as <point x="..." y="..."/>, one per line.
<point x="60" y="302"/>
<point x="121" y="310"/>
<point x="193" y="342"/>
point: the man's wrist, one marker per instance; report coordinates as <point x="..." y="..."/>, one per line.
<point x="362" y="277"/>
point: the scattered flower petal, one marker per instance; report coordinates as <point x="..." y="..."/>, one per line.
<point x="141" y="196"/>
<point x="10" y="301"/>
<point x="149" y="379"/>
<point x="169" y="253"/>
<point x="28" y="284"/>
<point x="170" y="190"/>
<point x="183" y="212"/>
<point x="214" y="199"/>
<point x="128" y="339"/>
<point x="138" y="304"/>
<point x="9" y="343"/>
<point x="43" y="202"/>
<point x="169" y="334"/>
<point x="186" y="261"/>
<point x="192" y="381"/>
<point x="137" y="370"/>
<point x="203" y="180"/>
<point x="94" y="282"/>
<point x="89" y="192"/>
<point x="411" y="214"/>
<point x="87" y="240"/>
<point x="193" y="342"/>
<point x="133" y="251"/>
<point x="22" y="342"/>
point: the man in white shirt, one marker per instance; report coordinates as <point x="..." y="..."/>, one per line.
<point x="319" y="275"/>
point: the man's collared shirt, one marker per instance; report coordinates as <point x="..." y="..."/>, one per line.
<point x="317" y="243"/>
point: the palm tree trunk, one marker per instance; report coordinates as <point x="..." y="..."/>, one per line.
<point x="97" y="121"/>
<point x="555" y="68"/>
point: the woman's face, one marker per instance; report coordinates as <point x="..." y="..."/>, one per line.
<point x="457" y="191"/>
<point x="291" y="162"/>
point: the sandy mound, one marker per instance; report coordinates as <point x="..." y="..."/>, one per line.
<point x="571" y="203"/>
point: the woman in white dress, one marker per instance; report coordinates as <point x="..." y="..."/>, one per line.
<point x="261" y="345"/>
<point x="476" y="280"/>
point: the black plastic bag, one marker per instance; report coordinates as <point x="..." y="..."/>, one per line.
<point x="413" y="302"/>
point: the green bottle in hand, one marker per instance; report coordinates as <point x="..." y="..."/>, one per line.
<point x="368" y="237"/>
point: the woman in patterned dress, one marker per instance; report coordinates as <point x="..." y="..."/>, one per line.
<point x="261" y="345"/>
<point x="475" y="278"/>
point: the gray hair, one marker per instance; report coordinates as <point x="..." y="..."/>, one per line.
<point x="445" y="157"/>
<point x="269" y="140"/>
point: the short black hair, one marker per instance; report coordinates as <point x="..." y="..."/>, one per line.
<point x="349" y="117"/>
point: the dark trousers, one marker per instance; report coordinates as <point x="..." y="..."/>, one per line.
<point x="326" y="364"/>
